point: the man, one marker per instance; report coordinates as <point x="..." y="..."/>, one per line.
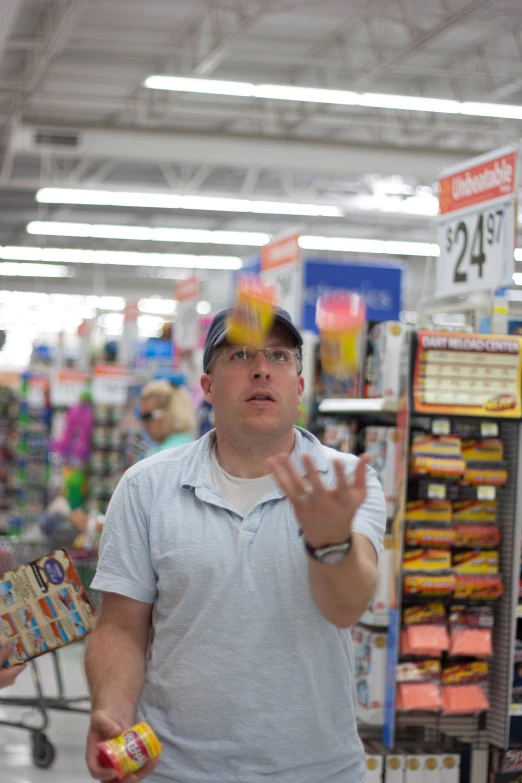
<point x="225" y="626"/>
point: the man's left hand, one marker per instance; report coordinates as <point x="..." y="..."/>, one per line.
<point x="324" y="515"/>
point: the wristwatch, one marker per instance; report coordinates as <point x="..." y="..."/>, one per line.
<point x="331" y="554"/>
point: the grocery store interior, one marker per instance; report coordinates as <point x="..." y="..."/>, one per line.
<point x="157" y="158"/>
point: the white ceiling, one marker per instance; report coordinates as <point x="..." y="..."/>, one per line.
<point x="73" y="70"/>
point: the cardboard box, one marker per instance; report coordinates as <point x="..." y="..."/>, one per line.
<point x="374" y="761"/>
<point x="381" y="445"/>
<point x="385" y="340"/>
<point x="370" y="673"/>
<point x="380" y="603"/>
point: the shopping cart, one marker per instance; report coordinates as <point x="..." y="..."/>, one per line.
<point x="43" y="751"/>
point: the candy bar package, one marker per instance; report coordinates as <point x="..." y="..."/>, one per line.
<point x="43" y="606"/>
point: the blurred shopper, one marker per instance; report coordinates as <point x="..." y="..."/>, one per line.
<point x="167" y="415"/>
<point x="221" y="625"/>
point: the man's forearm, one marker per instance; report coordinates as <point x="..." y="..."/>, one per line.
<point x="115" y="668"/>
<point x="342" y="592"/>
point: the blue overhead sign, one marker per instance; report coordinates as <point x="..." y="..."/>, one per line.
<point x="380" y="286"/>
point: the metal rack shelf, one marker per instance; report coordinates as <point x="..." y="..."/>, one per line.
<point x="358" y="406"/>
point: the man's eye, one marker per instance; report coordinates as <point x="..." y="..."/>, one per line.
<point x="240" y="355"/>
<point x="280" y="356"/>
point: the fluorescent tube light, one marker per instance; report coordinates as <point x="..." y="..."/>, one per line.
<point x="108" y="198"/>
<point x="144" y="233"/>
<point x="9" y="269"/>
<point x="118" y="257"/>
<point x="374" y="246"/>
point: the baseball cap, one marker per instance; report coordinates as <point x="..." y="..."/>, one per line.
<point x="218" y="332"/>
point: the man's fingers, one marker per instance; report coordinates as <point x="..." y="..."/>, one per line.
<point x="105" y="725"/>
<point x="359" y="479"/>
<point x="143" y="773"/>
<point x="311" y="473"/>
<point x="93" y="762"/>
<point x="281" y="475"/>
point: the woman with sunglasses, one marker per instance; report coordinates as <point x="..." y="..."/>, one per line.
<point x="167" y="415"/>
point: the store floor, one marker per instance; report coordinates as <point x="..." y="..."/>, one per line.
<point x="66" y="731"/>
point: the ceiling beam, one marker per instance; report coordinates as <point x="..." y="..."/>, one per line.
<point x="236" y="151"/>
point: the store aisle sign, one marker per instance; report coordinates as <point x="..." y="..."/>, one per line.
<point x="109" y="384"/>
<point x="67" y="387"/>
<point x="476" y="227"/>
<point x="380" y="286"/>
<point x="186" y="327"/>
<point x="468" y="374"/>
<point x="281" y="266"/>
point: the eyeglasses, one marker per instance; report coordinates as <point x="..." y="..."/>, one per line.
<point x="279" y="357"/>
<point x="150" y="415"/>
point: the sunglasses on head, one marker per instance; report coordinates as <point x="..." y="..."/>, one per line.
<point x="150" y="415"/>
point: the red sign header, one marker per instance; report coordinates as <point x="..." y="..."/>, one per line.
<point x="188" y="289"/>
<point x="482" y="182"/>
<point x="280" y="252"/>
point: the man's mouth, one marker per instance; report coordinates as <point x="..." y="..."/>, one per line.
<point x="261" y="397"/>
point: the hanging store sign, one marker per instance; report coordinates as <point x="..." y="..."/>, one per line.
<point x="67" y="387"/>
<point x="470" y="375"/>
<point x="186" y="326"/>
<point x="109" y="384"/>
<point x="281" y="266"/>
<point x="476" y="227"/>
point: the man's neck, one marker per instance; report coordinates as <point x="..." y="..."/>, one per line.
<point x="248" y="460"/>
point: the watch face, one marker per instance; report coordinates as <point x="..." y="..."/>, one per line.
<point x="334" y="555"/>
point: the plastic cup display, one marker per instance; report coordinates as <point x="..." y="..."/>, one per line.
<point x="130" y="751"/>
<point x="252" y="317"/>
<point x="340" y="318"/>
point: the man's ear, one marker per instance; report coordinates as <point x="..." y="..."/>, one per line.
<point x="206" y="385"/>
<point x="300" y="387"/>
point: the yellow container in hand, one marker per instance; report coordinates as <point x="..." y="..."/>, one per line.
<point x="130" y="751"/>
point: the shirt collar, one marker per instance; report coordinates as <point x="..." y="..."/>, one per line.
<point x="198" y="470"/>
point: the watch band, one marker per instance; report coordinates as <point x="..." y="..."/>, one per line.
<point x="323" y="553"/>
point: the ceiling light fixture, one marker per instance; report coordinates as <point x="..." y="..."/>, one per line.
<point x="9" y="269"/>
<point x="118" y="257"/>
<point x="110" y="198"/>
<point x="146" y="234"/>
<point x="334" y="97"/>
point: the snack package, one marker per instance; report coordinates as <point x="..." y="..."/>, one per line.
<point x="446" y="446"/>
<point x="433" y="511"/>
<point x="423" y="637"/>
<point x="370" y="651"/>
<point x="476" y="536"/>
<point x="43" y="606"/>
<point x="432" y="613"/>
<point x="419" y="696"/>
<point x="428" y="670"/>
<point x="463" y="700"/>
<point x="429" y="585"/>
<point x="424" y="536"/>
<point x="466" y="673"/>
<point x="407" y="652"/>
<point x="340" y="318"/>
<point x="427" y="560"/>
<point x="471" y="631"/>
<point x="251" y="319"/>
<point x="479" y="587"/>
<point x="476" y="561"/>
<point x="483" y="475"/>
<point x="475" y="512"/>
<point x="437" y="467"/>
<point x="488" y="450"/>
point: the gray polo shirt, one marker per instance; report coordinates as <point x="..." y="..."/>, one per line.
<point x="245" y="679"/>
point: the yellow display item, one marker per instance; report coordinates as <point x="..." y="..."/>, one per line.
<point x="478" y="512"/>
<point x="427" y="560"/>
<point x="478" y="561"/>
<point x="250" y="321"/>
<point x="340" y="318"/>
<point x="428" y="511"/>
<point x="130" y="751"/>
<point x="488" y="450"/>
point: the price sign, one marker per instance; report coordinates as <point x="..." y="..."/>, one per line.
<point x="437" y="491"/>
<point x="476" y="225"/>
<point x="186" y="327"/>
<point x="109" y="384"/>
<point x="67" y="386"/>
<point x="489" y="429"/>
<point x="281" y="267"/>
<point x="441" y="427"/>
<point x="486" y="493"/>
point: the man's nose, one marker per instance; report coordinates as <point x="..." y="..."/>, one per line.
<point x="260" y="366"/>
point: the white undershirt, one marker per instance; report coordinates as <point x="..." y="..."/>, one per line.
<point x="242" y="493"/>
